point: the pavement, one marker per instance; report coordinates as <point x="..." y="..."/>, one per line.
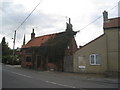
<point x="91" y="77"/>
<point x="81" y="76"/>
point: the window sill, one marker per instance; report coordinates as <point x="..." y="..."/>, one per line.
<point x="95" y="64"/>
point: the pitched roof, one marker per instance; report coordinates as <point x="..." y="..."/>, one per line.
<point x="91" y="41"/>
<point x="112" y="23"/>
<point x="38" y="41"/>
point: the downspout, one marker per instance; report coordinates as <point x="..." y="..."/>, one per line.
<point x="107" y="52"/>
<point x="105" y="19"/>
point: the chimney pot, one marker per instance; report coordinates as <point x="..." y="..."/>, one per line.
<point x="32" y="34"/>
<point x="105" y="16"/>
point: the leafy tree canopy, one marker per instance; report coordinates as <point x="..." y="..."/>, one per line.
<point x="6" y="51"/>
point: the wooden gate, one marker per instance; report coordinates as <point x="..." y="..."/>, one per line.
<point x="68" y="63"/>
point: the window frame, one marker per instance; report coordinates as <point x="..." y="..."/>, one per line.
<point x="94" y="59"/>
<point x="28" y="59"/>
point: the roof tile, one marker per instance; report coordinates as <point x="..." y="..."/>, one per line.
<point x="112" y="23"/>
<point x="38" y="41"/>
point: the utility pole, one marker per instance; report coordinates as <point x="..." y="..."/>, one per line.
<point x="14" y="47"/>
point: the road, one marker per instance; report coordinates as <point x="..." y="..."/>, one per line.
<point x="24" y="78"/>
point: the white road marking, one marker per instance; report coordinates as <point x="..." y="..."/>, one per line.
<point x="39" y="79"/>
<point x="18" y="73"/>
<point x="22" y="75"/>
<point x="60" y="84"/>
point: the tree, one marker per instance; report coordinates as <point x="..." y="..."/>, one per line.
<point x="6" y="52"/>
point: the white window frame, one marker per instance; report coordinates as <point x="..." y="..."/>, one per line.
<point x="94" y="60"/>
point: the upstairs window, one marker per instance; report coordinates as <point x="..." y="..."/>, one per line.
<point x="94" y="59"/>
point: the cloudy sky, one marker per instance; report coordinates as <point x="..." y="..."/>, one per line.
<point x="51" y="17"/>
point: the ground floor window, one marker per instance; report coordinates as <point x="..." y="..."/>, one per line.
<point x="94" y="59"/>
<point x="28" y="59"/>
<point x="80" y="60"/>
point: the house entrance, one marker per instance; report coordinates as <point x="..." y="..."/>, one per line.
<point x="38" y="61"/>
<point x="68" y="64"/>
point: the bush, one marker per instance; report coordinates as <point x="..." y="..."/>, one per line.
<point x="9" y="60"/>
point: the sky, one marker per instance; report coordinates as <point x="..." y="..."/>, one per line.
<point x="51" y="17"/>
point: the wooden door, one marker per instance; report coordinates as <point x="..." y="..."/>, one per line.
<point x="68" y="63"/>
<point x="38" y="61"/>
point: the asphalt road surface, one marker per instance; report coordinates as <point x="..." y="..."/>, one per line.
<point x="24" y="78"/>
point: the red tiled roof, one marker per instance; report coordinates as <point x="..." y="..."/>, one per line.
<point x="112" y="23"/>
<point x="38" y="41"/>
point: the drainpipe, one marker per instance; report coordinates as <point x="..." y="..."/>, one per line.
<point x="105" y="19"/>
<point x="107" y="51"/>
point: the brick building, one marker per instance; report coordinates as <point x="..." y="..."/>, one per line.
<point x="50" y="52"/>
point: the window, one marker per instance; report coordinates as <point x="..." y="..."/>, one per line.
<point x="28" y="59"/>
<point x="94" y="59"/>
<point x="80" y="60"/>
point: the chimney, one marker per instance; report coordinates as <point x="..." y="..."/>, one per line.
<point x="105" y="16"/>
<point x="32" y="34"/>
<point x="69" y="26"/>
<point x="69" y="21"/>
